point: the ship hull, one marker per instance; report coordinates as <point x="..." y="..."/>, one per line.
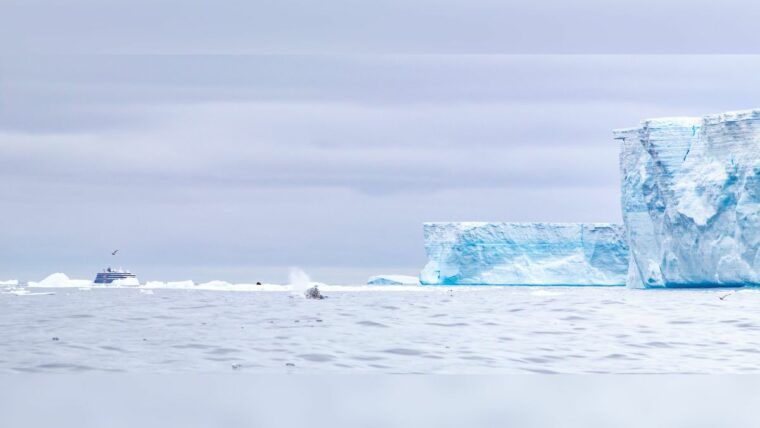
<point x="110" y="277"/>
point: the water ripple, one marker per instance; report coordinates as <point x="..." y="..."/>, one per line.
<point x="403" y="351"/>
<point x="433" y="330"/>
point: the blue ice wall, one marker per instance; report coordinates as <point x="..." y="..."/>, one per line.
<point x="691" y="200"/>
<point x="524" y="254"/>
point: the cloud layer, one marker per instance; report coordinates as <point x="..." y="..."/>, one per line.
<point x="390" y="26"/>
<point x="201" y="165"/>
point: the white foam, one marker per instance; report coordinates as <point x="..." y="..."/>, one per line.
<point x="11" y="282"/>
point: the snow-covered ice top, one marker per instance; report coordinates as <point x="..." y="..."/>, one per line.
<point x="691" y="200"/>
<point x="60" y="280"/>
<point x="476" y="253"/>
<point x="393" y="280"/>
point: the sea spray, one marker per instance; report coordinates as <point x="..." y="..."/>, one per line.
<point x="301" y="284"/>
<point x="299" y="281"/>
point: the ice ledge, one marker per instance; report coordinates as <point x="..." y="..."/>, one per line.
<point x="482" y="253"/>
<point x="709" y="119"/>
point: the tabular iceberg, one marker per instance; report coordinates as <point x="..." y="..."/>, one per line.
<point x="691" y="200"/>
<point x="472" y="253"/>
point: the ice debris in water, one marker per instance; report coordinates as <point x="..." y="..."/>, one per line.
<point x="691" y="200"/>
<point x="474" y="253"/>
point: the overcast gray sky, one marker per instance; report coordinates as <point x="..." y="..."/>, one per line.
<point x="235" y="167"/>
<point x="388" y="26"/>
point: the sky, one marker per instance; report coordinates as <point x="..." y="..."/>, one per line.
<point x="232" y="143"/>
<point x="389" y="26"/>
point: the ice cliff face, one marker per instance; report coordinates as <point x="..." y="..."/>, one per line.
<point x="691" y="200"/>
<point x="524" y="254"/>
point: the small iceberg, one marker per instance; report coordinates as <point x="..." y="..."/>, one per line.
<point x="60" y="280"/>
<point x="393" y="280"/>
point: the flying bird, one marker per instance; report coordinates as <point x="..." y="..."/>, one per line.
<point x="114" y="252"/>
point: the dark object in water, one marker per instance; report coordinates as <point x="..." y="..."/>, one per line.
<point x="258" y="283"/>
<point x="313" y="293"/>
<point x="55" y="339"/>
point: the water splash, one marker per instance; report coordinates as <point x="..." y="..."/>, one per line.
<point x="299" y="281"/>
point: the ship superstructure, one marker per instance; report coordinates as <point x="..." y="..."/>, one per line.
<point x="110" y="275"/>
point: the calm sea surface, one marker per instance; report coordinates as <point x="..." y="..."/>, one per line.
<point x="381" y="330"/>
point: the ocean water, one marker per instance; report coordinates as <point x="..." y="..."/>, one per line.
<point x="380" y="330"/>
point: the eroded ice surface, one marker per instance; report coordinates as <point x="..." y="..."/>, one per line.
<point x="691" y="200"/>
<point x="525" y="254"/>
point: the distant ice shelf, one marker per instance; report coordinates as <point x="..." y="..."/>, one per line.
<point x="691" y="200"/>
<point x="61" y="280"/>
<point x="475" y="253"/>
<point x="393" y="280"/>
